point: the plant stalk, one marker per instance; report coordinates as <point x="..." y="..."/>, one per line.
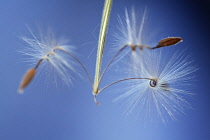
<point x="101" y="43"/>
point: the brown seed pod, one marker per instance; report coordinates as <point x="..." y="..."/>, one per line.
<point x="168" y="42"/>
<point x="26" y="79"/>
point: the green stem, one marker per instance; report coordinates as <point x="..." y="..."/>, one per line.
<point x="101" y="43"/>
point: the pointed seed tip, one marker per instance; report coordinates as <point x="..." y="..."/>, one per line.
<point x="20" y="91"/>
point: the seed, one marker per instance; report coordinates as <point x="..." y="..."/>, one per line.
<point x="26" y="79"/>
<point x="169" y="41"/>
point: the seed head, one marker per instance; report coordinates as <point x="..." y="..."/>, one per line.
<point x="166" y="94"/>
<point x="45" y="53"/>
<point x="129" y="31"/>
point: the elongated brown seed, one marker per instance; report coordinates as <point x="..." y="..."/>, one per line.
<point x="26" y="79"/>
<point x="168" y="42"/>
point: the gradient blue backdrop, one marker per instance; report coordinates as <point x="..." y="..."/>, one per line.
<point x="47" y="113"/>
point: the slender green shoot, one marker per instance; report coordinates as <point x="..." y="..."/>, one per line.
<point x="101" y="43"/>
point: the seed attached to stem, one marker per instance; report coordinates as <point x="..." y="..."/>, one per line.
<point x="26" y="79"/>
<point x="168" y="42"/>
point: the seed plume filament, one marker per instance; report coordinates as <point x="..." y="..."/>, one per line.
<point x="59" y="48"/>
<point x="133" y="47"/>
<point x="98" y="103"/>
<point x="86" y="71"/>
<point x="110" y="62"/>
<point x="122" y="81"/>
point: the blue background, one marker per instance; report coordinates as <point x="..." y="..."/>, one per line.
<point x="45" y="112"/>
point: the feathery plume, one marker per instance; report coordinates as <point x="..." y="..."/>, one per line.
<point x="166" y="93"/>
<point x="130" y="34"/>
<point x="49" y="54"/>
<point x="129" y="31"/>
